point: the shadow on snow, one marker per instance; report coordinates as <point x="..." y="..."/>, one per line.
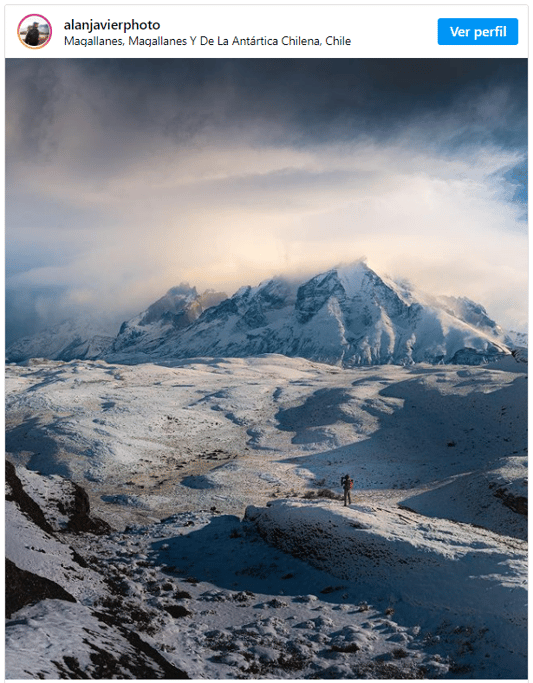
<point x="427" y="437"/>
<point x="231" y="555"/>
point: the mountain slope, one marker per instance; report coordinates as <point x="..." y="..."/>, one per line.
<point x="86" y="339"/>
<point x="58" y="598"/>
<point x="173" y="453"/>
<point x="79" y="338"/>
<point x="176" y="310"/>
<point x="347" y="316"/>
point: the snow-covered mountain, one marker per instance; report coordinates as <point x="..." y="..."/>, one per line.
<point x="517" y="340"/>
<point x="85" y="338"/>
<point x="70" y="339"/>
<point x="173" y="312"/>
<point x="346" y="316"/>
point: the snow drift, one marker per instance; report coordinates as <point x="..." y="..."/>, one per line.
<point x="427" y="569"/>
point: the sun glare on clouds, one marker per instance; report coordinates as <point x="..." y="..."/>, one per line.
<point x="230" y="196"/>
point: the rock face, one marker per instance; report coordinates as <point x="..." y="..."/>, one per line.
<point x="66" y="509"/>
<point x="347" y="316"/>
<point x="50" y="587"/>
<point x="25" y="588"/>
<point x="175" y="311"/>
<point x="15" y="492"/>
<point x="513" y="502"/>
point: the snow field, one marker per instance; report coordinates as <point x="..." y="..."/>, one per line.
<point x="223" y="604"/>
<point x="433" y="566"/>
<point x="194" y="443"/>
<point x="145" y="429"/>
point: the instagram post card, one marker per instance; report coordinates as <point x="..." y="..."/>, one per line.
<point x="266" y="341"/>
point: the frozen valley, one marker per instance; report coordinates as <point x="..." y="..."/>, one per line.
<point x="224" y="550"/>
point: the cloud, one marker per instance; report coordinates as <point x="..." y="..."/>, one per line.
<point x="218" y="174"/>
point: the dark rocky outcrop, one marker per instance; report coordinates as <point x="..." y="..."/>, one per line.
<point x="77" y="508"/>
<point x="79" y="517"/>
<point x="24" y="588"/>
<point x="517" y="504"/>
<point x="26" y="504"/>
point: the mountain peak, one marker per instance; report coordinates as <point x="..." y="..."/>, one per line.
<point x="174" y="311"/>
<point x="174" y="301"/>
<point x="348" y="315"/>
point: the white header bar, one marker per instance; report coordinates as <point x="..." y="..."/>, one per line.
<point x="262" y="31"/>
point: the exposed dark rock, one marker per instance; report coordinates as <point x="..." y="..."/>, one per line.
<point x="515" y="503"/>
<point x="24" y="588"/>
<point x="182" y="595"/>
<point x="79" y="559"/>
<point x="177" y="611"/>
<point x="169" y="670"/>
<point x="79" y="517"/>
<point x="77" y="509"/>
<point x="69" y="667"/>
<point x="27" y="505"/>
<point x="313" y="295"/>
<point x="134" y="664"/>
<point x="469" y="356"/>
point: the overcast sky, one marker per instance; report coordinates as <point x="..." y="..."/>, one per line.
<point x="127" y="177"/>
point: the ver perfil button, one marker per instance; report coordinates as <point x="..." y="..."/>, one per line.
<point x="478" y="31"/>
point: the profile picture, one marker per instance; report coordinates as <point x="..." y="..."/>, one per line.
<point x="34" y="31"/>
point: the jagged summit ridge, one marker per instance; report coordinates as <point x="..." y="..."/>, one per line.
<point x="174" y="311"/>
<point x="348" y="316"/>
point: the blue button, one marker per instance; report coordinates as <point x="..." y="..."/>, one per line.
<point x="478" y="31"/>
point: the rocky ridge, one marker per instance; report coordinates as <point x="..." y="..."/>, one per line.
<point x="347" y="316"/>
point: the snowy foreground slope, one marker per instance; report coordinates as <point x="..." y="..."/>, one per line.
<point x="425" y="568"/>
<point x="210" y="550"/>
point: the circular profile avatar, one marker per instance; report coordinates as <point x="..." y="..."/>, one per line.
<point x="34" y="31"/>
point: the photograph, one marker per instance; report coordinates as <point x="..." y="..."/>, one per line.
<point x="266" y="328"/>
<point x="34" y="31"/>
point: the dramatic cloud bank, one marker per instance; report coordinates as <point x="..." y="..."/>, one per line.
<point x="125" y="178"/>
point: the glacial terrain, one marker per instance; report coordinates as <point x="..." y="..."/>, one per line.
<point x="68" y="340"/>
<point x="184" y="519"/>
<point x="347" y="316"/>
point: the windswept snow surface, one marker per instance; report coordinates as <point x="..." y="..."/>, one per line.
<point x="423" y="575"/>
<point x="424" y="568"/>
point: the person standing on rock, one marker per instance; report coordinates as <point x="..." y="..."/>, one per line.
<point x="347" y="484"/>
